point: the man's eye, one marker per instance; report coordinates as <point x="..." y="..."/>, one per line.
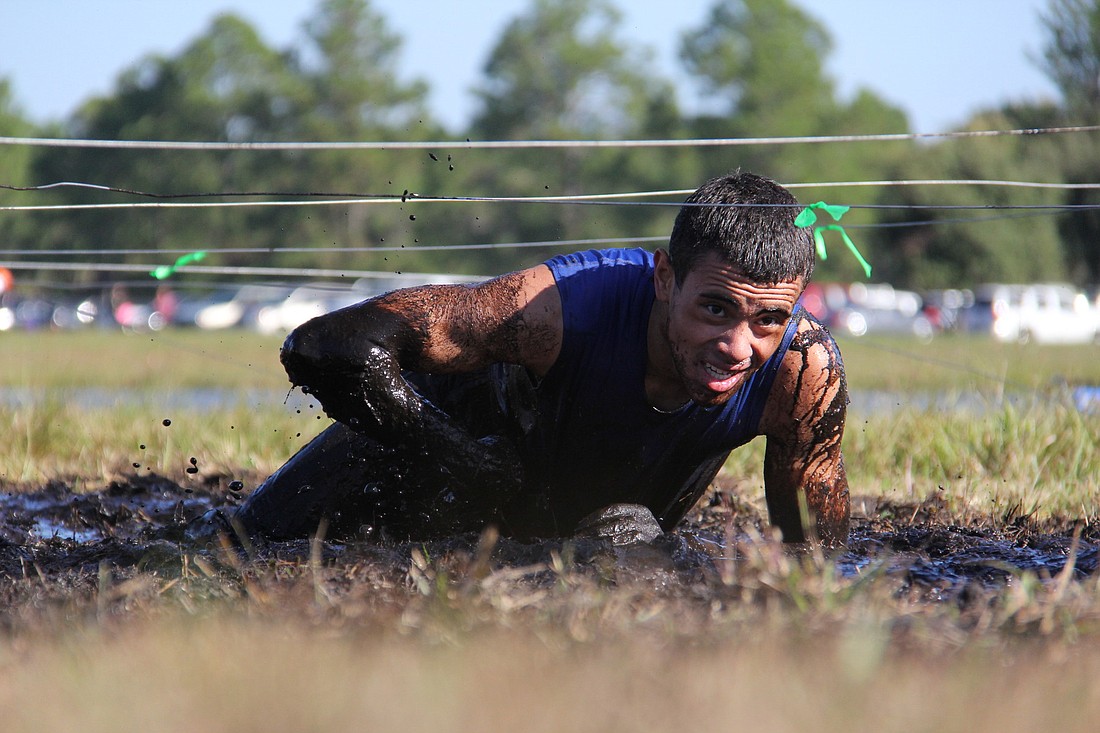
<point x="714" y="309"/>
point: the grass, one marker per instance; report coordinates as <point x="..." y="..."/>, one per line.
<point x="60" y="440"/>
<point x="238" y="359"/>
<point x="956" y="362"/>
<point x="155" y="361"/>
<point x="444" y="640"/>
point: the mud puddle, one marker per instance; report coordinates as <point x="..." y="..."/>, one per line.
<point x="138" y="523"/>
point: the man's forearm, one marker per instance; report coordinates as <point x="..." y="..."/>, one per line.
<point x="369" y="395"/>
<point x="803" y="508"/>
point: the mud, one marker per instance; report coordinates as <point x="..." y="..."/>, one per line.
<point x="137" y="525"/>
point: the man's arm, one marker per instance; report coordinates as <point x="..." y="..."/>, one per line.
<point x="804" y="424"/>
<point x="351" y="360"/>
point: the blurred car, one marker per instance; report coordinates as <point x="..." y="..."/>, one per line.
<point x="69" y="315"/>
<point x="881" y="309"/>
<point x="302" y="304"/>
<point x="240" y="309"/>
<point x="944" y="308"/>
<point x="1046" y="313"/>
<point x="823" y="300"/>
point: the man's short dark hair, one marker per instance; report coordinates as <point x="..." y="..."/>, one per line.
<point x="748" y="221"/>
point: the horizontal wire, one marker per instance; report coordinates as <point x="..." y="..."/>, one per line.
<point x="214" y="270"/>
<point x="378" y="198"/>
<point x="580" y="199"/>
<point x="577" y="201"/>
<point x="592" y="242"/>
<point x="528" y="144"/>
<point x="573" y="243"/>
<point x="361" y="250"/>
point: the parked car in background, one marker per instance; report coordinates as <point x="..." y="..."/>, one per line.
<point x="944" y="308"/>
<point x="1046" y="313"/>
<point x="302" y="304"/>
<point x="881" y="309"/>
<point x="241" y="308"/>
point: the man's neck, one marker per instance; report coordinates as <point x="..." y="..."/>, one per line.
<point x="663" y="387"/>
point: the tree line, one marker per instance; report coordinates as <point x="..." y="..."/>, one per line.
<point x="560" y="70"/>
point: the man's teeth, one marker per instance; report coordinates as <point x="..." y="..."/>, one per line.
<point x="717" y="373"/>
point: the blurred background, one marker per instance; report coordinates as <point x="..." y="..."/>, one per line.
<point x="336" y="149"/>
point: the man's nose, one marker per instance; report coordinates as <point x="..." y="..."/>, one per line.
<point x="736" y="343"/>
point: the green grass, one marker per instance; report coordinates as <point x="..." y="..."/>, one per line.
<point x="59" y="440"/>
<point x="171" y="359"/>
<point x="238" y="359"/>
<point x="954" y="362"/>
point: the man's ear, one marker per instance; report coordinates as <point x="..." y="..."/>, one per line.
<point x="664" y="279"/>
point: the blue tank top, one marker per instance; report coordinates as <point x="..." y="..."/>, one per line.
<point x="586" y="431"/>
<point x="597" y="436"/>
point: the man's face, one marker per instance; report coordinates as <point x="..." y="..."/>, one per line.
<point x="721" y="326"/>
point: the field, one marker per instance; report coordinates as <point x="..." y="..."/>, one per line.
<point x="968" y="598"/>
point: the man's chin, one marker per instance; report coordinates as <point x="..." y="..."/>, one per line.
<point x="710" y="398"/>
<point x="717" y="393"/>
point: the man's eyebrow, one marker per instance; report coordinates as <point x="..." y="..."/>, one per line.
<point x="739" y="304"/>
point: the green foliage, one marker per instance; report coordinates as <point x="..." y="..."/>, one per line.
<point x="15" y="161"/>
<point x="559" y="71"/>
<point x="1071" y="56"/>
<point x="934" y="246"/>
<point x="764" y="60"/>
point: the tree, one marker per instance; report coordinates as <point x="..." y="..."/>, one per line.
<point x="1071" y="59"/>
<point x="561" y="71"/>
<point x="761" y="64"/>
<point x="354" y="74"/>
<point x="14" y="159"/>
<point x="228" y="85"/>
<point x="1071" y="56"/>
<point x="927" y="247"/>
<point x="15" y="163"/>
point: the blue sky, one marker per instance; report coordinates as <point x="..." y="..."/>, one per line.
<point x="938" y="59"/>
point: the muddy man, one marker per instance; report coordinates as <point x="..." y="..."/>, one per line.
<point x="593" y="380"/>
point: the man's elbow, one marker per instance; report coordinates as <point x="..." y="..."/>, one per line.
<point x="305" y="350"/>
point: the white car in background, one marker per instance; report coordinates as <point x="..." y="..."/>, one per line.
<point x="1051" y="313"/>
<point x="302" y="304"/>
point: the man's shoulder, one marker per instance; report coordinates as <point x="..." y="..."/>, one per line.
<point x="810" y="377"/>
<point x="600" y="259"/>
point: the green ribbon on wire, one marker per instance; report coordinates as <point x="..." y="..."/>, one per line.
<point x="807" y="217"/>
<point x="819" y="240"/>
<point x="164" y="271"/>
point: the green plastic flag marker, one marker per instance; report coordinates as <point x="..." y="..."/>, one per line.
<point x="807" y="218"/>
<point x="164" y="271"/>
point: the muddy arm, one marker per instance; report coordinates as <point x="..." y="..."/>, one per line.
<point x="351" y="361"/>
<point x="804" y="478"/>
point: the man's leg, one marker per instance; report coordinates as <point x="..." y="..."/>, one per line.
<point x="361" y="488"/>
<point x="339" y="476"/>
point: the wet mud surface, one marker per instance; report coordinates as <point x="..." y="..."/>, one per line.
<point x="137" y="525"/>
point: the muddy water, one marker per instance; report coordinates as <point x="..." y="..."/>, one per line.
<point x="54" y="532"/>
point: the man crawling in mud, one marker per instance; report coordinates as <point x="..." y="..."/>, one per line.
<point x="596" y="387"/>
